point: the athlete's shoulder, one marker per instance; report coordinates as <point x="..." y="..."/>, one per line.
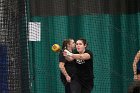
<point x="88" y="51"/>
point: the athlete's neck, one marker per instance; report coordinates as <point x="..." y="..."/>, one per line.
<point x="82" y="52"/>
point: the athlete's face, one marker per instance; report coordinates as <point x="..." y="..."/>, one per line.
<point x="80" y="46"/>
<point x="72" y="44"/>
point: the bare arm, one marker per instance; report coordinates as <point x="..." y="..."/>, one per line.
<point x="84" y="56"/>
<point x="70" y="56"/>
<point x="63" y="70"/>
<point x="136" y="59"/>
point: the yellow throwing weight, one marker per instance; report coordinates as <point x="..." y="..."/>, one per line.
<point x="56" y="48"/>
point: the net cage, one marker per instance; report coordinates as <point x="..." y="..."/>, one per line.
<point x="29" y="28"/>
<point x="13" y="47"/>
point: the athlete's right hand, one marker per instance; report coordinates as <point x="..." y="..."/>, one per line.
<point x="68" y="78"/>
<point x="67" y="53"/>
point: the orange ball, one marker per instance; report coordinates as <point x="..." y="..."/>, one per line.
<point x="56" y="48"/>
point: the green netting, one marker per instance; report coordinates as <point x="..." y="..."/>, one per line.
<point x="114" y="40"/>
<point x="14" y="74"/>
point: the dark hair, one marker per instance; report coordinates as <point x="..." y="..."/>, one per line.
<point x="65" y="42"/>
<point x="84" y="41"/>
